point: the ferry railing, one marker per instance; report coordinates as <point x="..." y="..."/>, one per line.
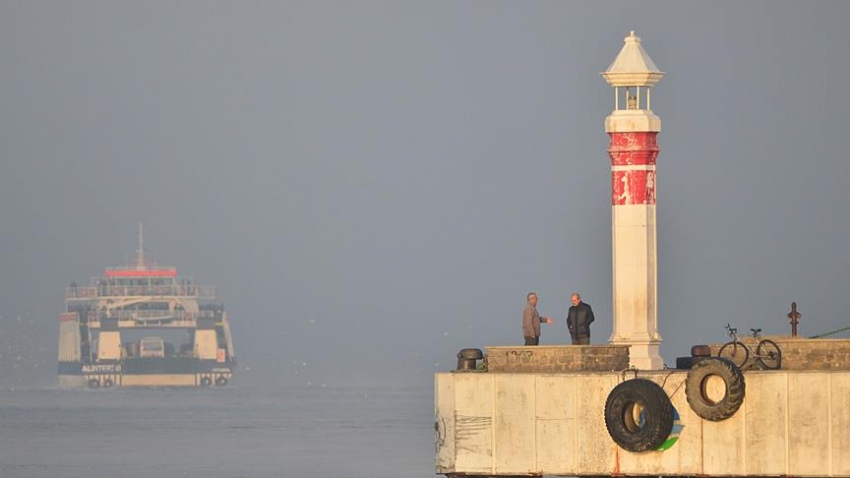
<point x="74" y="292"/>
<point x="182" y="290"/>
<point x="172" y="324"/>
<point x="145" y="315"/>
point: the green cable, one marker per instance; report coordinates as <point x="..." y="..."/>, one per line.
<point x="829" y="333"/>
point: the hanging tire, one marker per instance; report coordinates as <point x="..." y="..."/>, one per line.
<point x="221" y="381"/>
<point x="94" y="383"/>
<point x="704" y="399"/>
<point x="638" y="415"/>
<point x="735" y="353"/>
<point x="769" y="354"/>
<point x="206" y="382"/>
<point x="107" y="383"/>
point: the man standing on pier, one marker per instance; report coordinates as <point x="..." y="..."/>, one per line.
<point x="531" y="320"/>
<point x="578" y="320"/>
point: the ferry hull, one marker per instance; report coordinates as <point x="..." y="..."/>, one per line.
<point x="162" y="372"/>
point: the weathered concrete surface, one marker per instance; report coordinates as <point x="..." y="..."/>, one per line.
<point x="805" y="354"/>
<point x="558" y="358"/>
<point x="792" y="423"/>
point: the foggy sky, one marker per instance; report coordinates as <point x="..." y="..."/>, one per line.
<point x="374" y="185"/>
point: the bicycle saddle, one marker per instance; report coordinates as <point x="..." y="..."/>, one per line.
<point x="755" y="331"/>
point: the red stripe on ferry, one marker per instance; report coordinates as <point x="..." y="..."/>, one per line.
<point x="142" y="273"/>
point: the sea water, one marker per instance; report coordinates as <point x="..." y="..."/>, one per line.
<point x="233" y="432"/>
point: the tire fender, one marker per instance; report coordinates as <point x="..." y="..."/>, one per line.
<point x="638" y="415"/>
<point x="697" y="384"/>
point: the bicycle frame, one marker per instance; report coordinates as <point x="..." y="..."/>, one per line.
<point x="767" y="354"/>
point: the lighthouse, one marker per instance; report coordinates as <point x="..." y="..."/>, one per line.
<point x="633" y="128"/>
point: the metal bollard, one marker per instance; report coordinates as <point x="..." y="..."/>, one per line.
<point x="467" y="358"/>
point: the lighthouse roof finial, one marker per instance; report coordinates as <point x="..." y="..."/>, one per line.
<point x="633" y="66"/>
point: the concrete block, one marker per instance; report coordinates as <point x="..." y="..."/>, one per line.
<point x="808" y="417"/>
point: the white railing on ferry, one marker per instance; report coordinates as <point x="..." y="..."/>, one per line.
<point x="94" y="292"/>
<point x="147" y="315"/>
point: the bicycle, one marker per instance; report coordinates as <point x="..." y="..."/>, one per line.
<point x="767" y="353"/>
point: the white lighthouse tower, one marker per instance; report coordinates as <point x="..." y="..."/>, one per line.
<point x="633" y="128"/>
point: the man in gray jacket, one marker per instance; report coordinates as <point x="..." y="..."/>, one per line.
<point x="531" y="320"/>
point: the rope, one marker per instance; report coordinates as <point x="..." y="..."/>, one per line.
<point x="830" y="333"/>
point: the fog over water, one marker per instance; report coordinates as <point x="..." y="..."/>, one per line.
<point x="228" y="433"/>
<point x="374" y="185"/>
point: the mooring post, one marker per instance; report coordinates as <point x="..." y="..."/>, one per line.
<point x="794" y="318"/>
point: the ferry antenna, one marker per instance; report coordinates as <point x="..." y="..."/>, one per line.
<point x="140" y="252"/>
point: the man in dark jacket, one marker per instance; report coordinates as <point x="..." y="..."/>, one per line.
<point x="531" y="320"/>
<point x="579" y="319"/>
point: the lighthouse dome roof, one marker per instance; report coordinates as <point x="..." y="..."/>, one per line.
<point x="633" y="66"/>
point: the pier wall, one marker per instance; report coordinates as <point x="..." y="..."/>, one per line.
<point x="805" y="354"/>
<point x="558" y="358"/>
<point x="791" y="423"/>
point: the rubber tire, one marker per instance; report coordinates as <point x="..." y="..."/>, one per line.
<point x="732" y="378"/>
<point x="94" y="383"/>
<point x="206" y="382"/>
<point x="221" y="382"/>
<point x="740" y="352"/>
<point x="108" y="383"/>
<point x="657" y="415"/>
<point x="772" y="365"/>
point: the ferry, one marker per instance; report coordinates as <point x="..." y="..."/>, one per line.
<point x="144" y="326"/>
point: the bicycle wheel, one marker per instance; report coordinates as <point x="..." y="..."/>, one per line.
<point x="735" y="352"/>
<point x="769" y="354"/>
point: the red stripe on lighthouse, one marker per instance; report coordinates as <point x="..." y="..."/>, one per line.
<point x="627" y="149"/>
<point x="635" y="153"/>
<point x="633" y="187"/>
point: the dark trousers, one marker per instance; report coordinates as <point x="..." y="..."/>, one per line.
<point x="581" y="340"/>
<point x="532" y="340"/>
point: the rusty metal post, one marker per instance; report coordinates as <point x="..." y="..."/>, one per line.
<point x="467" y="359"/>
<point x="794" y="318"/>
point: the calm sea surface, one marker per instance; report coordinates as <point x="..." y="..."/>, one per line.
<point x="299" y="432"/>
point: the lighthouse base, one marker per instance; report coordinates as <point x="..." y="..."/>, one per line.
<point x="643" y="354"/>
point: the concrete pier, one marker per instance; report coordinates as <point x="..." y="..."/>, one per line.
<point x="791" y="423"/>
<point x="616" y="410"/>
